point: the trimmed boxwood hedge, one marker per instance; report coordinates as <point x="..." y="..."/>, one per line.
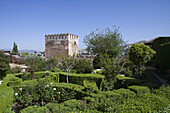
<point x="35" y="109"/>
<point x="79" y="78"/>
<point x="139" y="89"/>
<point x="11" y="80"/>
<point x="124" y="82"/>
<point x="6" y="98"/>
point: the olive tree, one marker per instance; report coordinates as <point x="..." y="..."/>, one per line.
<point x="107" y="41"/>
<point x="34" y="64"/>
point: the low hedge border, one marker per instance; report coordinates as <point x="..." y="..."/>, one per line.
<point x="6" y="99"/>
<point x="139" y="89"/>
<point x="79" y="78"/>
<point x="124" y="82"/>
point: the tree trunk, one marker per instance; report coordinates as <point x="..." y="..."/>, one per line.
<point x="67" y="78"/>
<point x="32" y="75"/>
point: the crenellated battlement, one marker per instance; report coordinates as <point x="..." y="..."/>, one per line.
<point x="64" y="36"/>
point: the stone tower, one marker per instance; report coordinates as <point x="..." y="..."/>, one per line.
<point x="57" y="45"/>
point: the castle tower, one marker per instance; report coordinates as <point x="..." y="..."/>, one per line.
<point x="61" y="44"/>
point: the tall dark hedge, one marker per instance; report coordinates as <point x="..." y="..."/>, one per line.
<point x="162" y="58"/>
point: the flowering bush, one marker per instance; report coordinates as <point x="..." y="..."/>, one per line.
<point x="139" y="71"/>
<point x="109" y="84"/>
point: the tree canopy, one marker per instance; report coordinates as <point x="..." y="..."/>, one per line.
<point x="34" y="64"/>
<point x="106" y="41"/>
<point x="15" y="48"/>
<point x="140" y="54"/>
<point x="4" y="64"/>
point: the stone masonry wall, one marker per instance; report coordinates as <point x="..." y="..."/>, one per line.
<point x="58" y="45"/>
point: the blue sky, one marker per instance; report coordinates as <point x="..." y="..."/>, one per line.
<point x="27" y="21"/>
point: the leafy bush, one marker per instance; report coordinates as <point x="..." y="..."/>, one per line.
<point x="67" y="106"/>
<point x="90" y="86"/>
<point x="6" y="98"/>
<point x="139" y="89"/>
<point x="15" y="70"/>
<point x="11" y="80"/>
<point x="125" y="92"/>
<point x="140" y="54"/>
<point x="35" y="109"/>
<point x="79" y="78"/>
<point x="83" y="66"/>
<point x="127" y="81"/>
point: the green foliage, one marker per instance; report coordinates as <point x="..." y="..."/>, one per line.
<point x="139" y="89"/>
<point x="162" y="56"/>
<point x="67" y="64"/>
<point x="24" y="54"/>
<point x="35" y="109"/>
<point x="140" y="54"/>
<point x="127" y="81"/>
<point x="79" y="78"/>
<point x="6" y="98"/>
<point x="34" y="63"/>
<point x="125" y="92"/>
<point x="128" y="72"/>
<point x="51" y="63"/>
<point x="139" y="72"/>
<point x="97" y="62"/>
<point x="105" y="42"/>
<point x="15" y="70"/>
<point x="66" y="107"/>
<point x="83" y="66"/>
<point x="11" y="80"/>
<point x="111" y="65"/>
<point x="4" y="64"/>
<point x="90" y="86"/>
<point x="15" y="48"/>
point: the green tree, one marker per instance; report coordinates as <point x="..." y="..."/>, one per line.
<point x="140" y="54"/>
<point x="105" y="42"/>
<point x="34" y="64"/>
<point x="112" y="67"/>
<point x="51" y="63"/>
<point x="15" y="48"/>
<point x="97" y="62"/>
<point x="67" y="64"/>
<point x="4" y="64"/>
<point x="83" y="66"/>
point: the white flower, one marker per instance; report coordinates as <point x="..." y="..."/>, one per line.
<point x="16" y="94"/>
<point x="54" y="88"/>
<point x="58" y="92"/>
<point x="51" y="83"/>
<point x="20" y="89"/>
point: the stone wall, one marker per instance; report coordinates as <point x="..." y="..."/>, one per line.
<point x="58" y="45"/>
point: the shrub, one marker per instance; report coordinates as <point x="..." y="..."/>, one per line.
<point x="67" y="106"/>
<point x="125" y="92"/>
<point x="35" y="109"/>
<point x="6" y="98"/>
<point x="83" y="66"/>
<point x="161" y="46"/>
<point x="90" y="86"/>
<point x="79" y="78"/>
<point x="15" y="70"/>
<point x="127" y="81"/>
<point x="139" y="89"/>
<point x="11" y="80"/>
<point x="140" y="54"/>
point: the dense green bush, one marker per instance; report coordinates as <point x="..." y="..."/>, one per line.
<point x="83" y="66"/>
<point x="79" y="78"/>
<point x="97" y="62"/>
<point x="140" y="54"/>
<point x="139" y="89"/>
<point x="127" y="81"/>
<point x="67" y="106"/>
<point x="35" y="109"/>
<point x="161" y="45"/>
<point x="90" y="86"/>
<point x="15" y="70"/>
<point x="6" y="98"/>
<point x="125" y="92"/>
<point x="11" y="80"/>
